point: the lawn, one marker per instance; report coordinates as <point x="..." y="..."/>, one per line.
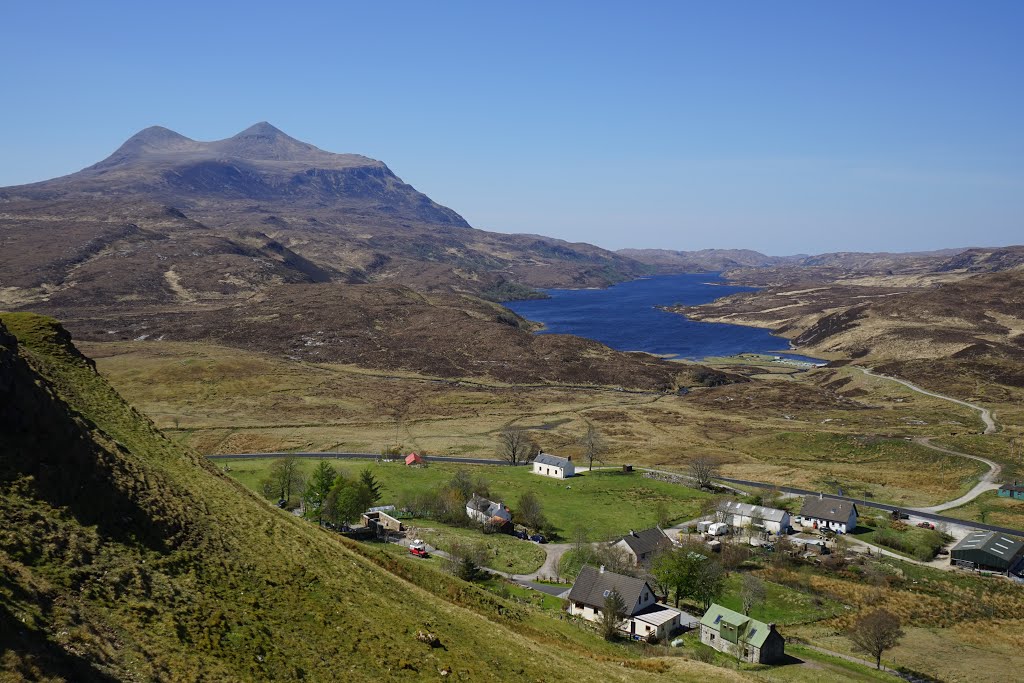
<point x="878" y="530"/>
<point x="502" y="552"/>
<point x="606" y="503"/>
<point x="783" y="605"/>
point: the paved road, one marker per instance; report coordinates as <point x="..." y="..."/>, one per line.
<point x="988" y="481"/>
<point x="358" y="456"/>
<point x="986" y="414"/>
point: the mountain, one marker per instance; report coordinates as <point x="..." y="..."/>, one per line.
<point x="230" y="216"/>
<point x="124" y="556"/>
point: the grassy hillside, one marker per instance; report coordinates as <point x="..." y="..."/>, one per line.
<point x="126" y="557"/>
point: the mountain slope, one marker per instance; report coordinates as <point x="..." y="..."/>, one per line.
<point x="125" y="557"/>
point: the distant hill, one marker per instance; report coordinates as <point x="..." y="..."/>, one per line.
<point x="125" y="557"/>
<point x="703" y="260"/>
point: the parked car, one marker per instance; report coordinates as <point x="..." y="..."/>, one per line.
<point x="282" y="503"/>
<point x="418" y="548"/>
<point x="537" y="538"/>
<point x="926" y="525"/>
<point x="521" y="535"/>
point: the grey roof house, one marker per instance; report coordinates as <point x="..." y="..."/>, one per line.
<point x="645" y="617"/>
<point x="644" y="545"/>
<point x="553" y="466"/>
<point x="832" y="514"/>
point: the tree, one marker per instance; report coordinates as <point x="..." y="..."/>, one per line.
<point x="752" y="592"/>
<point x="320" y="484"/>
<point x="662" y="514"/>
<point x="580" y="537"/>
<point x="464" y="560"/>
<point x="594" y="445"/>
<point x="347" y="501"/>
<point x="515" y="446"/>
<point x="529" y="512"/>
<point x="876" y="632"/>
<point x="708" y="583"/>
<point x="367" y="479"/>
<point x="285" y="477"/>
<point x="704" y="469"/>
<point x="677" y="569"/>
<point x="612" y="615"/>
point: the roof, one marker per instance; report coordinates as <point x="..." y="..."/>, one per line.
<point x="991" y="542"/>
<point x="750" y="631"/>
<point x="748" y="510"/>
<point x="1015" y="486"/>
<point x="648" y="540"/>
<point x="412" y="457"/>
<point x="481" y="504"/>
<point x="553" y="460"/>
<point x="829" y="509"/>
<point x="593" y="586"/>
<point x="657" y="614"/>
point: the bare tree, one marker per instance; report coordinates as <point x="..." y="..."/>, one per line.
<point x="752" y="592"/>
<point x="704" y="469"/>
<point x="285" y="477"/>
<point x="515" y="446"/>
<point x="594" y="445"/>
<point x="876" y="632"/>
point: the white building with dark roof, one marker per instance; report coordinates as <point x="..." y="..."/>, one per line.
<point x="828" y="514"/>
<point x="644" y="545"/>
<point x="553" y="466"/>
<point x="482" y="510"/>
<point x="741" y="515"/>
<point x="645" y="618"/>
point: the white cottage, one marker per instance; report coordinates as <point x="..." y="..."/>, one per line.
<point x="480" y="509"/>
<point x="831" y="514"/>
<point x="553" y="466"/>
<point x="741" y="515"/>
<point x="645" y="618"/>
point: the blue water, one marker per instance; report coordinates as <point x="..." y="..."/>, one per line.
<point x="625" y="317"/>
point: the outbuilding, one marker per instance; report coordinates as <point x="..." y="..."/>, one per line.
<point x="1014" y="490"/>
<point x="553" y="466"/>
<point x="989" y="551"/>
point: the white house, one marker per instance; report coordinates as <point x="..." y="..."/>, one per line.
<point x="645" y="618"/>
<point x="482" y="510"/>
<point x="833" y="514"/>
<point x="553" y="466"/>
<point x="741" y="515"/>
<point x="643" y="545"/>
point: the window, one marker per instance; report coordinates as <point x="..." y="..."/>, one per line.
<point x="607" y="593"/>
<point x="712" y="637"/>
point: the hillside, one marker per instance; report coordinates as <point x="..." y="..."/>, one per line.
<point x="126" y="557"/>
<point x="703" y="260"/>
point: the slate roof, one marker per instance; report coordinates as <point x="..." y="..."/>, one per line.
<point x="553" y="460"/>
<point x="1015" y="487"/>
<point x="648" y="540"/>
<point x="750" y="631"/>
<point x="829" y="509"/>
<point x="991" y="542"/>
<point x="592" y="586"/>
<point x="748" y="510"/>
<point x="481" y="504"/>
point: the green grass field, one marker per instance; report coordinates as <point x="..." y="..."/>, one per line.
<point x="606" y="503"/>
<point x="500" y="551"/>
<point x="783" y="605"/>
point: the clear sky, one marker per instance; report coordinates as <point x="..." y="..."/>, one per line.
<point x="780" y="126"/>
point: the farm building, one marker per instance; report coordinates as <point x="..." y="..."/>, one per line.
<point x="645" y="617"/>
<point x="832" y="514"/>
<point x="414" y="459"/>
<point x="988" y="550"/>
<point x="740" y="515"/>
<point x="482" y="510"/>
<point x="1014" y="490"/>
<point x="736" y="634"/>
<point x="380" y="521"/>
<point x="553" y="466"/>
<point x="643" y="545"/>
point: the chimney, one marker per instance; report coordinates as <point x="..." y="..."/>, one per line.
<point x="569" y="458"/>
<point x="771" y="627"/>
<point x="601" y="570"/>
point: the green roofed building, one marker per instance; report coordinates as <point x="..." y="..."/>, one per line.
<point x="738" y="635"/>
<point x="990" y="551"/>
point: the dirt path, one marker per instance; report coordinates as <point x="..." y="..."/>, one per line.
<point x="986" y="414"/>
<point x="549" y="570"/>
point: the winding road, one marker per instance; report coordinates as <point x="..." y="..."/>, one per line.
<point x="986" y="415"/>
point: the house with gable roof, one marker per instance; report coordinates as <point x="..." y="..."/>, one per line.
<point x="642" y="546"/>
<point x="645" y="618"/>
<point x="828" y="514"/>
<point x="553" y="466"/>
<point x="742" y="637"/>
<point x="480" y="509"/>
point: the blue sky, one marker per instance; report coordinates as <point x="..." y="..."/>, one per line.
<point x="779" y="126"/>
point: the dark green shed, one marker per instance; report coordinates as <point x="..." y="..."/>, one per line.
<point x="988" y="550"/>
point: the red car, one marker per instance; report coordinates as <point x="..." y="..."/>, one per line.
<point x="418" y="548"/>
<point x="926" y="525"/>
